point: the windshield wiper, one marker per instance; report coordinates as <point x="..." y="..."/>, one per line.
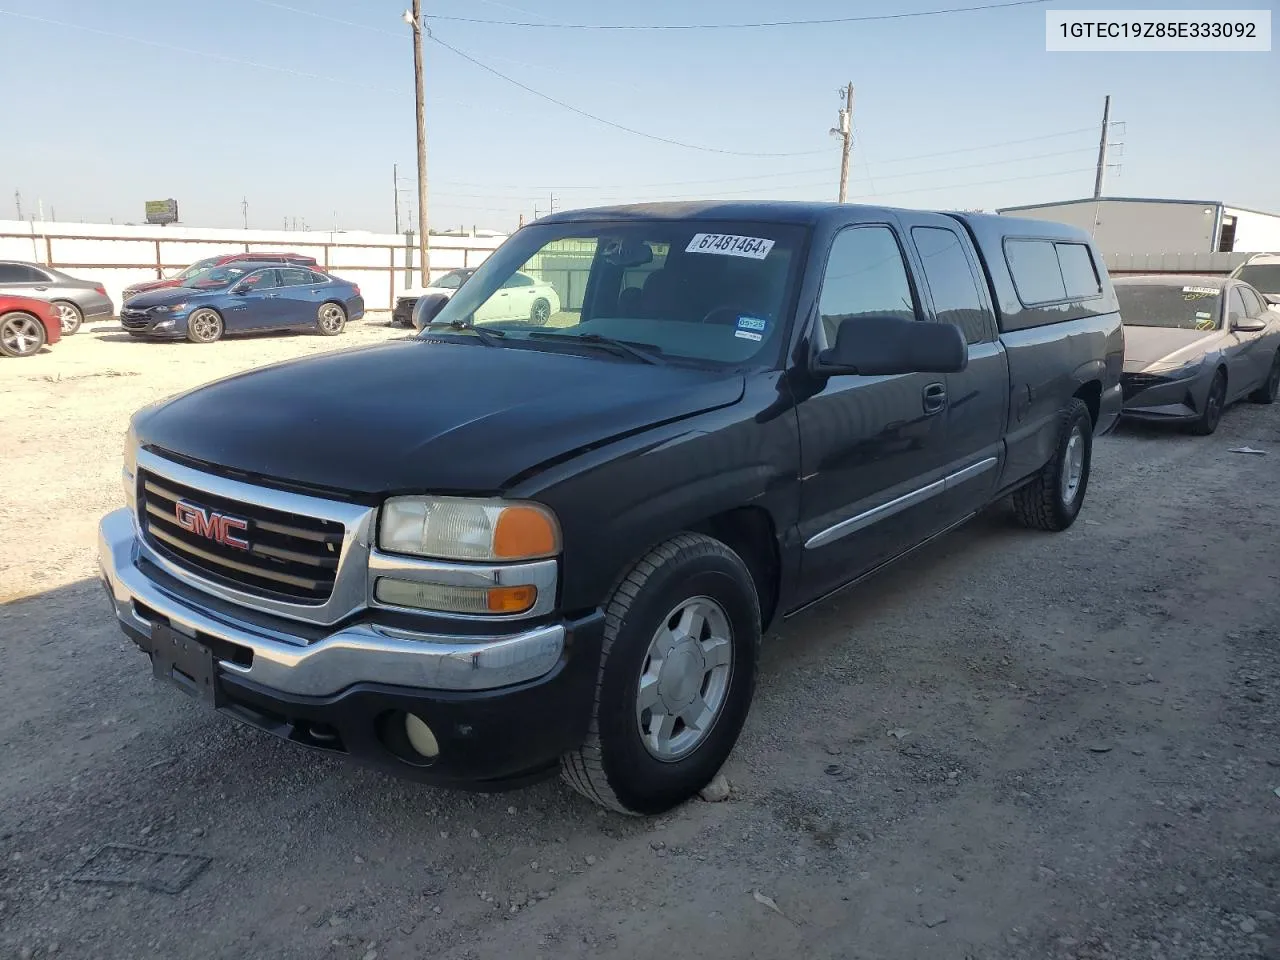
<point x="489" y="338"/>
<point x="642" y="354"/>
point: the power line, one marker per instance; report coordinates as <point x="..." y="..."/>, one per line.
<point x="821" y="21"/>
<point x="611" y="123"/>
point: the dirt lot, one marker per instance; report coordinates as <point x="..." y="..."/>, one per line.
<point x="1012" y="745"/>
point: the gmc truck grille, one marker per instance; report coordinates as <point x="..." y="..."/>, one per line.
<point x="277" y="555"/>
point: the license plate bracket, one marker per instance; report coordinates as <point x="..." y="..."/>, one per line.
<point x="186" y="663"/>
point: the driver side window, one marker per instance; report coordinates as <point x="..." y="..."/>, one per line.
<point x="865" y="276"/>
<point x="1235" y="307"/>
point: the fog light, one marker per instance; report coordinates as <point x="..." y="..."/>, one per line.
<point x="164" y="325"/>
<point x="452" y="599"/>
<point x="420" y="736"/>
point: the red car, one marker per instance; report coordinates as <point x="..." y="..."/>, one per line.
<point x="26" y="325"/>
<point x="297" y="259"/>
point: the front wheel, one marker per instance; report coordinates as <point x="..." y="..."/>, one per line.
<point x="1270" y="387"/>
<point x="540" y="312"/>
<point x="69" y="316"/>
<point x="204" y="326"/>
<point x="1052" y="500"/>
<point x="331" y="319"/>
<point x="1214" y="403"/>
<point x="21" y="334"/>
<point x="677" y="674"/>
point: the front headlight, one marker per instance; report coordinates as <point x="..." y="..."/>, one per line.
<point x="172" y="307"/>
<point x="129" y="472"/>
<point x="1175" y="369"/>
<point x="454" y="528"/>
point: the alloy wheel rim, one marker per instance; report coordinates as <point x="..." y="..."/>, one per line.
<point x="66" y="316"/>
<point x="331" y="319"/>
<point x="684" y="682"/>
<point x="205" y="325"/>
<point x="1215" y="401"/>
<point x="20" y="334"/>
<point x="541" y="312"/>
<point x="1073" y="465"/>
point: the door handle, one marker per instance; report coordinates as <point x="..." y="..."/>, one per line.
<point x="935" y="398"/>
<point x="42" y="289"/>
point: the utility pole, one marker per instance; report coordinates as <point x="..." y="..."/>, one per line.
<point x="244" y="211"/>
<point x="395" y="185"/>
<point x="553" y="201"/>
<point x="845" y="132"/>
<point x="1102" y="148"/>
<point x="17" y="199"/>
<point x="414" y="19"/>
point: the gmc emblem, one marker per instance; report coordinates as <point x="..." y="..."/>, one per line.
<point x="211" y="525"/>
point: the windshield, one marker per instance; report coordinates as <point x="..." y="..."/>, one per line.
<point x="450" y="281"/>
<point x="198" y="267"/>
<point x="711" y="292"/>
<point x="1264" y="277"/>
<point x="1185" y="307"/>
<point x="217" y="277"/>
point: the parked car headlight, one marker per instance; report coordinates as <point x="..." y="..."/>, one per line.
<point x="172" y="307"/>
<point x="454" y="528"/>
<point x="1175" y="369"/>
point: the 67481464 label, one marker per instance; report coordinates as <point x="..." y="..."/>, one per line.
<point x="730" y="245"/>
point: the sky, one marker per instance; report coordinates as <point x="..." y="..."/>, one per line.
<point x="305" y="107"/>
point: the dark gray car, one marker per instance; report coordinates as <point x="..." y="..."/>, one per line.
<point x="1193" y="345"/>
<point x="74" y="300"/>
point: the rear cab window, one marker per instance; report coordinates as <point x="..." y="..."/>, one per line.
<point x="953" y="283"/>
<point x="1055" y="280"/>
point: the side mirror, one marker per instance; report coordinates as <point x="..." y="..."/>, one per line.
<point x="877" y="346"/>
<point x="1272" y="298"/>
<point x="240" y="290"/>
<point x="1249" y="324"/>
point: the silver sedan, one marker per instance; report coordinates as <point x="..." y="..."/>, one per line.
<point x="1194" y="345"/>
<point x="74" y="300"/>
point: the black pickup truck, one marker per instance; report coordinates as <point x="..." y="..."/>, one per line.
<point x="498" y="549"/>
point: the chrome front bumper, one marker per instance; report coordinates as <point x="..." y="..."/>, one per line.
<point x="364" y="652"/>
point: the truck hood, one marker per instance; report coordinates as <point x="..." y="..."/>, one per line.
<point x="425" y="416"/>
<point x="1147" y="345"/>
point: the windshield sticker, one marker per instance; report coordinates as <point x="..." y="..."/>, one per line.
<point x="1199" y="293"/>
<point x="730" y="245"/>
<point x="748" y="335"/>
<point x="1204" y="320"/>
<point x="752" y="323"/>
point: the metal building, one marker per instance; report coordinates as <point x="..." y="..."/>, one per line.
<point x="1136" y="226"/>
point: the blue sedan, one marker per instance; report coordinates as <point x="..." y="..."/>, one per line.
<point x="243" y="297"/>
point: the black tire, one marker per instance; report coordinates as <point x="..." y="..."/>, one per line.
<point x="1270" y="388"/>
<point x="205" y="326"/>
<point x="540" y="312"/>
<point x="70" y="317"/>
<point x="21" y="334"/>
<point x="331" y="319"/>
<point x="614" y="767"/>
<point x="1214" y="403"/>
<point x="1044" y="503"/>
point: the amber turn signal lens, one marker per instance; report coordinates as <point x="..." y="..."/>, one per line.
<point x="511" y="599"/>
<point x="524" y="531"/>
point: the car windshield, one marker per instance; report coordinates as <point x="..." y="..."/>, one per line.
<point x="217" y="277"/>
<point x="1182" y="306"/>
<point x="710" y="292"/>
<point x="450" y="281"/>
<point x="1264" y="277"/>
<point x="198" y="267"/>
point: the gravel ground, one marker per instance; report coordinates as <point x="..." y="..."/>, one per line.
<point x="1012" y="745"/>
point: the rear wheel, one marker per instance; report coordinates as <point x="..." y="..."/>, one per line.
<point x="204" y="326"/>
<point x="1052" y="501"/>
<point x="21" y="334"/>
<point x="331" y="319"/>
<point x="540" y="313"/>
<point x="677" y="673"/>
<point x="1211" y="415"/>
<point x="69" y="316"/>
<point x="1271" y="386"/>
